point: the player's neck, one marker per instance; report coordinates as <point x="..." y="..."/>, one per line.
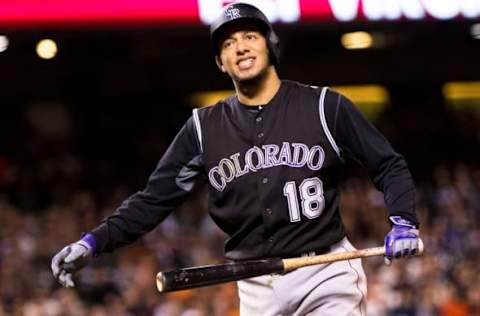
<point x="259" y="92"/>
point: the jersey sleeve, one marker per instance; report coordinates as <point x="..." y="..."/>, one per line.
<point x="359" y="140"/>
<point x="167" y="187"/>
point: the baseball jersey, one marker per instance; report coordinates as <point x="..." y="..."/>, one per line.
<point x="272" y="170"/>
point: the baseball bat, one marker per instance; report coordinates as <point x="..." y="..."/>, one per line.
<point x="181" y="279"/>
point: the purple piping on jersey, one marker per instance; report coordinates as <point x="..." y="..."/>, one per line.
<point x="90" y="240"/>
<point x="358" y="286"/>
<point x="323" y="120"/>
<point x="198" y="127"/>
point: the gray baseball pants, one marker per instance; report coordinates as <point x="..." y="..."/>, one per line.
<point x="334" y="289"/>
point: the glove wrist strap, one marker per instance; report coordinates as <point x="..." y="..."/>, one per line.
<point x="400" y="221"/>
<point x="89" y="241"/>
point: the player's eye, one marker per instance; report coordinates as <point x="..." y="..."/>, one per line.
<point x="251" y="36"/>
<point x="227" y="44"/>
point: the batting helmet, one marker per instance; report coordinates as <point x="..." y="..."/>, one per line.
<point x="242" y="12"/>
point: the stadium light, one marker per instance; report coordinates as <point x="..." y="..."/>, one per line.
<point x="357" y="40"/>
<point x="47" y="49"/>
<point x="3" y="43"/>
<point x="201" y="99"/>
<point x="475" y="31"/>
<point x="462" y="90"/>
<point x="365" y="93"/>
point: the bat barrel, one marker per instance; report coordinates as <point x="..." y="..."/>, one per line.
<point x="180" y="279"/>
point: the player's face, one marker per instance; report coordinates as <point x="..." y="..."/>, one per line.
<point x="244" y="55"/>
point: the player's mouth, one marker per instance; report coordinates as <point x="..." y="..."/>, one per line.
<point x="245" y="63"/>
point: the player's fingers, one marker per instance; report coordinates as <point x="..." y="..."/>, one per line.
<point x="403" y="247"/>
<point x="57" y="260"/>
<point x="411" y="247"/>
<point x="61" y="278"/>
<point x="407" y="247"/>
<point x="68" y="280"/>
<point x="414" y="246"/>
<point x="399" y="248"/>
<point x="55" y="265"/>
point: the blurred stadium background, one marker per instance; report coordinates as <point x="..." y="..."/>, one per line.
<point x="85" y="116"/>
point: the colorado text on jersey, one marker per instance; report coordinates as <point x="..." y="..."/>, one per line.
<point x="295" y="155"/>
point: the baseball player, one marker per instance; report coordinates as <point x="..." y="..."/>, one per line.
<point x="272" y="154"/>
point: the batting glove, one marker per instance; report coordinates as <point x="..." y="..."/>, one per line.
<point x="71" y="259"/>
<point x="402" y="240"/>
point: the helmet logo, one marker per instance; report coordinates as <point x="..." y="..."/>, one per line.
<point x="232" y="13"/>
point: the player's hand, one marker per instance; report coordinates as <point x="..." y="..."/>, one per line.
<point x="69" y="260"/>
<point x="402" y="240"/>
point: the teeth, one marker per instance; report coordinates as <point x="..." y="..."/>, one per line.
<point x="246" y="63"/>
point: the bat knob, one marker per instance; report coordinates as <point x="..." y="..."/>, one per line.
<point x="421" y="247"/>
<point x="160" y="279"/>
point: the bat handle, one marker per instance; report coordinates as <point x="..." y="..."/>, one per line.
<point x="295" y="263"/>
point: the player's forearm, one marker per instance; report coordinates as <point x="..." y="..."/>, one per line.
<point x="136" y="216"/>
<point x="390" y="174"/>
<point x="395" y="181"/>
<point x="360" y="140"/>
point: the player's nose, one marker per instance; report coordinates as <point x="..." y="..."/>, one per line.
<point x="241" y="47"/>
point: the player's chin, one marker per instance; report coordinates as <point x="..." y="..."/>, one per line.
<point x="248" y="77"/>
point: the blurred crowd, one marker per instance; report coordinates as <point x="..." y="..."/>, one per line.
<point x="63" y="172"/>
<point x="442" y="282"/>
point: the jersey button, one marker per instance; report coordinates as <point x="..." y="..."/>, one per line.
<point x="268" y="210"/>
<point x="270" y="240"/>
<point x="258" y="119"/>
<point x="265" y="180"/>
<point x="260" y="135"/>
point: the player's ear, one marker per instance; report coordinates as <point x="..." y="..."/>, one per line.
<point x="219" y="63"/>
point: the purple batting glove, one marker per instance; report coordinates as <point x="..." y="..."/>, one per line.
<point x="402" y="240"/>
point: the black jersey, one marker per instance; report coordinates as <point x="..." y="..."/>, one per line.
<point x="273" y="172"/>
